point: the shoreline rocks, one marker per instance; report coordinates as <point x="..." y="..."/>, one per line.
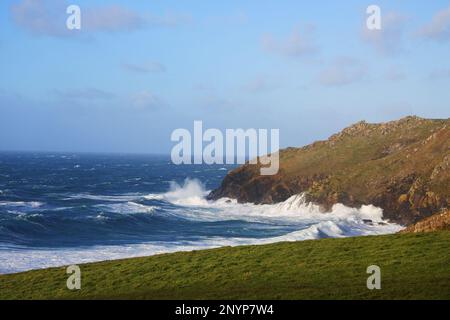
<point x="400" y="166"/>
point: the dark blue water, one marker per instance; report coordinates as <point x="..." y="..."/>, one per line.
<point x="68" y="208"/>
<point x="74" y="199"/>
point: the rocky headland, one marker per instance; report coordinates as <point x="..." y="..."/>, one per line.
<point x="400" y="166"/>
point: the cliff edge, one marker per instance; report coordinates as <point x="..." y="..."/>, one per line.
<point x="401" y="166"/>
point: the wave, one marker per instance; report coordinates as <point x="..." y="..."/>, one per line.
<point x="193" y="194"/>
<point x="25" y="204"/>
<point x="291" y="220"/>
<point x="190" y="193"/>
<point x="128" y="208"/>
<point x="19" y="259"/>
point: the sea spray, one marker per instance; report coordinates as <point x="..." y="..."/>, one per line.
<point x="138" y="206"/>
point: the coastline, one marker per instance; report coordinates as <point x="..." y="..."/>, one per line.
<point x="341" y="222"/>
<point x="113" y="253"/>
<point x="415" y="266"/>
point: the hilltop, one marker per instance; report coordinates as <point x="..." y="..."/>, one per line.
<point x="401" y="166"/>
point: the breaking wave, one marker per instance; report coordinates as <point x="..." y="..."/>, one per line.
<point x="179" y="219"/>
<point x="21" y="204"/>
<point x="128" y="208"/>
<point x="193" y="194"/>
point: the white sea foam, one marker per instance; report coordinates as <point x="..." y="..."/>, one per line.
<point x="128" y="208"/>
<point x="26" y="204"/>
<point x="295" y="209"/>
<point x="190" y="203"/>
<point x="16" y="260"/>
<point x="191" y="193"/>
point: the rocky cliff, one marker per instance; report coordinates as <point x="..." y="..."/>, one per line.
<point x="401" y="166"/>
<point x="437" y="222"/>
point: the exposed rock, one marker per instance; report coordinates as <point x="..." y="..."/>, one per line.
<point x="401" y="166"/>
<point x="438" y="221"/>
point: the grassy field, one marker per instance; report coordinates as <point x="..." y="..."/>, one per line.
<point x="413" y="266"/>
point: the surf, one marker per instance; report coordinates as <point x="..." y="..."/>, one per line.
<point x="139" y="206"/>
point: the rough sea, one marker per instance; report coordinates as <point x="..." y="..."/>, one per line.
<point x="63" y="208"/>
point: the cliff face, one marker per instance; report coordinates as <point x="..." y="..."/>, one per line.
<point x="437" y="222"/>
<point x="401" y="166"/>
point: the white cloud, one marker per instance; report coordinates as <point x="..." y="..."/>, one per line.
<point x="441" y="73"/>
<point x="215" y="103"/>
<point x="297" y="44"/>
<point x="45" y="17"/>
<point x="388" y="40"/>
<point x="439" y="27"/>
<point x="343" y="71"/>
<point x="41" y="17"/>
<point x="146" y="100"/>
<point x="258" y="85"/>
<point x="170" y="19"/>
<point x="92" y="97"/>
<point x="83" y="94"/>
<point x="395" y="74"/>
<point x="149" y="67"/>
<point x="111" y="18"/>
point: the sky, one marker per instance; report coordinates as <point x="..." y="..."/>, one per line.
<point x="138" y="70"/>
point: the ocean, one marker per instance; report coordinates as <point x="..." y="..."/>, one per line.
<point x="63" y="208"/>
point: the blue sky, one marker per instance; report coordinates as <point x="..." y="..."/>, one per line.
<point x="138" y="70"/>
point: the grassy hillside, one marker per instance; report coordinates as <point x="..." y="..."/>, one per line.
<point x="413" y="266"/>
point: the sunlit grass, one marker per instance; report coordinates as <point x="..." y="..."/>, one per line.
<point x="413" y="266"/>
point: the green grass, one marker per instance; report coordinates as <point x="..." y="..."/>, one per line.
<point x="413" y="266"/>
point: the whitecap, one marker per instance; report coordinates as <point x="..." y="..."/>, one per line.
<point x="29" y="204"/>
<point x="191" y="196"/>
<point x="16" y="260"/>
<point x="306" y="219"/>
<point x="128" y="208"/>
<point x="190" y="193"/>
